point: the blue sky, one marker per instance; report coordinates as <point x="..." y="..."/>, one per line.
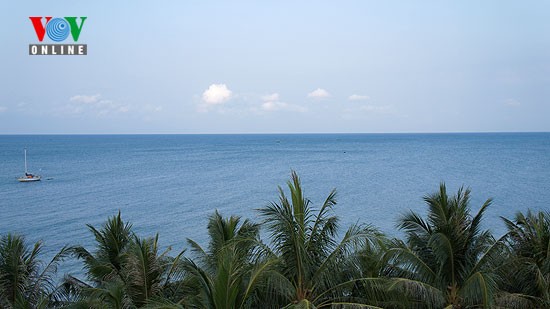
<point x="280" y="67"/>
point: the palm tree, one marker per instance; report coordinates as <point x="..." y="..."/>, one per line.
<point x="311" y="261"/>
<point x="144" y="270"/>
<point x="368" y="269"/>
<point x="112" y="240"/>
<point x="228" y="273"/>
<point x="126" y="270"/>
<point x="447" y="259"/>
<point x="23" y="284"/>
<point x="527" y="276"/>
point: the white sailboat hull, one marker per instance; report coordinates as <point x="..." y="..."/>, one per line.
<point x="29" y="179"/>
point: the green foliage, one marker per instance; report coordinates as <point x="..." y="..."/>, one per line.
<point x="228" y="274"/>
<point x="526" y="276"/>
<point x="447" y="260"/>
<point x="310" y="259"/>
<point x="112" y="240"/>
<point x="127" y="271"/>
<point x="23" y="282"/>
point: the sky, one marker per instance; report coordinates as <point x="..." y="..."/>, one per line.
<point x="280" y="67"/>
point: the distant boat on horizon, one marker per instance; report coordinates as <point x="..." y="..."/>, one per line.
<point x="28" y="177"/>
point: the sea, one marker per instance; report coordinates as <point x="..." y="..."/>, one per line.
<point x="171" y="184"/>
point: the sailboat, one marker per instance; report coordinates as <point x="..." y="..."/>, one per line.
<point x="28" y="177"/>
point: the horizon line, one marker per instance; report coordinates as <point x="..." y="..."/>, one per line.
<point x="281" y="133"/>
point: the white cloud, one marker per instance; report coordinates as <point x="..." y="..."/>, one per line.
<point x="512" y="102"/>
<point x="358" y="97"/>
<point x="370" y="109"/>
<point x="3" y="109"/>
<point x="318" y="94"/>
<point x="151" y="108"/>
<point x="374" y="108"/>
<point x="87" y="99"/>
<point x="272" y="104"/>
<point x="271" y="97"/>
<point x="94" y="104"/>
<point x="216" y="94"/>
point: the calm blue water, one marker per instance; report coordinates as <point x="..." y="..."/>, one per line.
<point x="170" y="183"/>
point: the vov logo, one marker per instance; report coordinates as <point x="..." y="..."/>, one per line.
<point x="58" y="30"/>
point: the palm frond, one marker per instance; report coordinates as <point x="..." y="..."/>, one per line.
<point x="429" y="295"/>
<point x="143" y="270"/>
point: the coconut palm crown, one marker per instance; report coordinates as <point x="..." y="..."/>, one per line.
<point x="311" y="260"/>
<point x="528" y="272"/>
<point x="24" y="283"/>
<point x="447" y="259"/>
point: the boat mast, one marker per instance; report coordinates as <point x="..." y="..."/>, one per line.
<point x="25" y="161"/>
